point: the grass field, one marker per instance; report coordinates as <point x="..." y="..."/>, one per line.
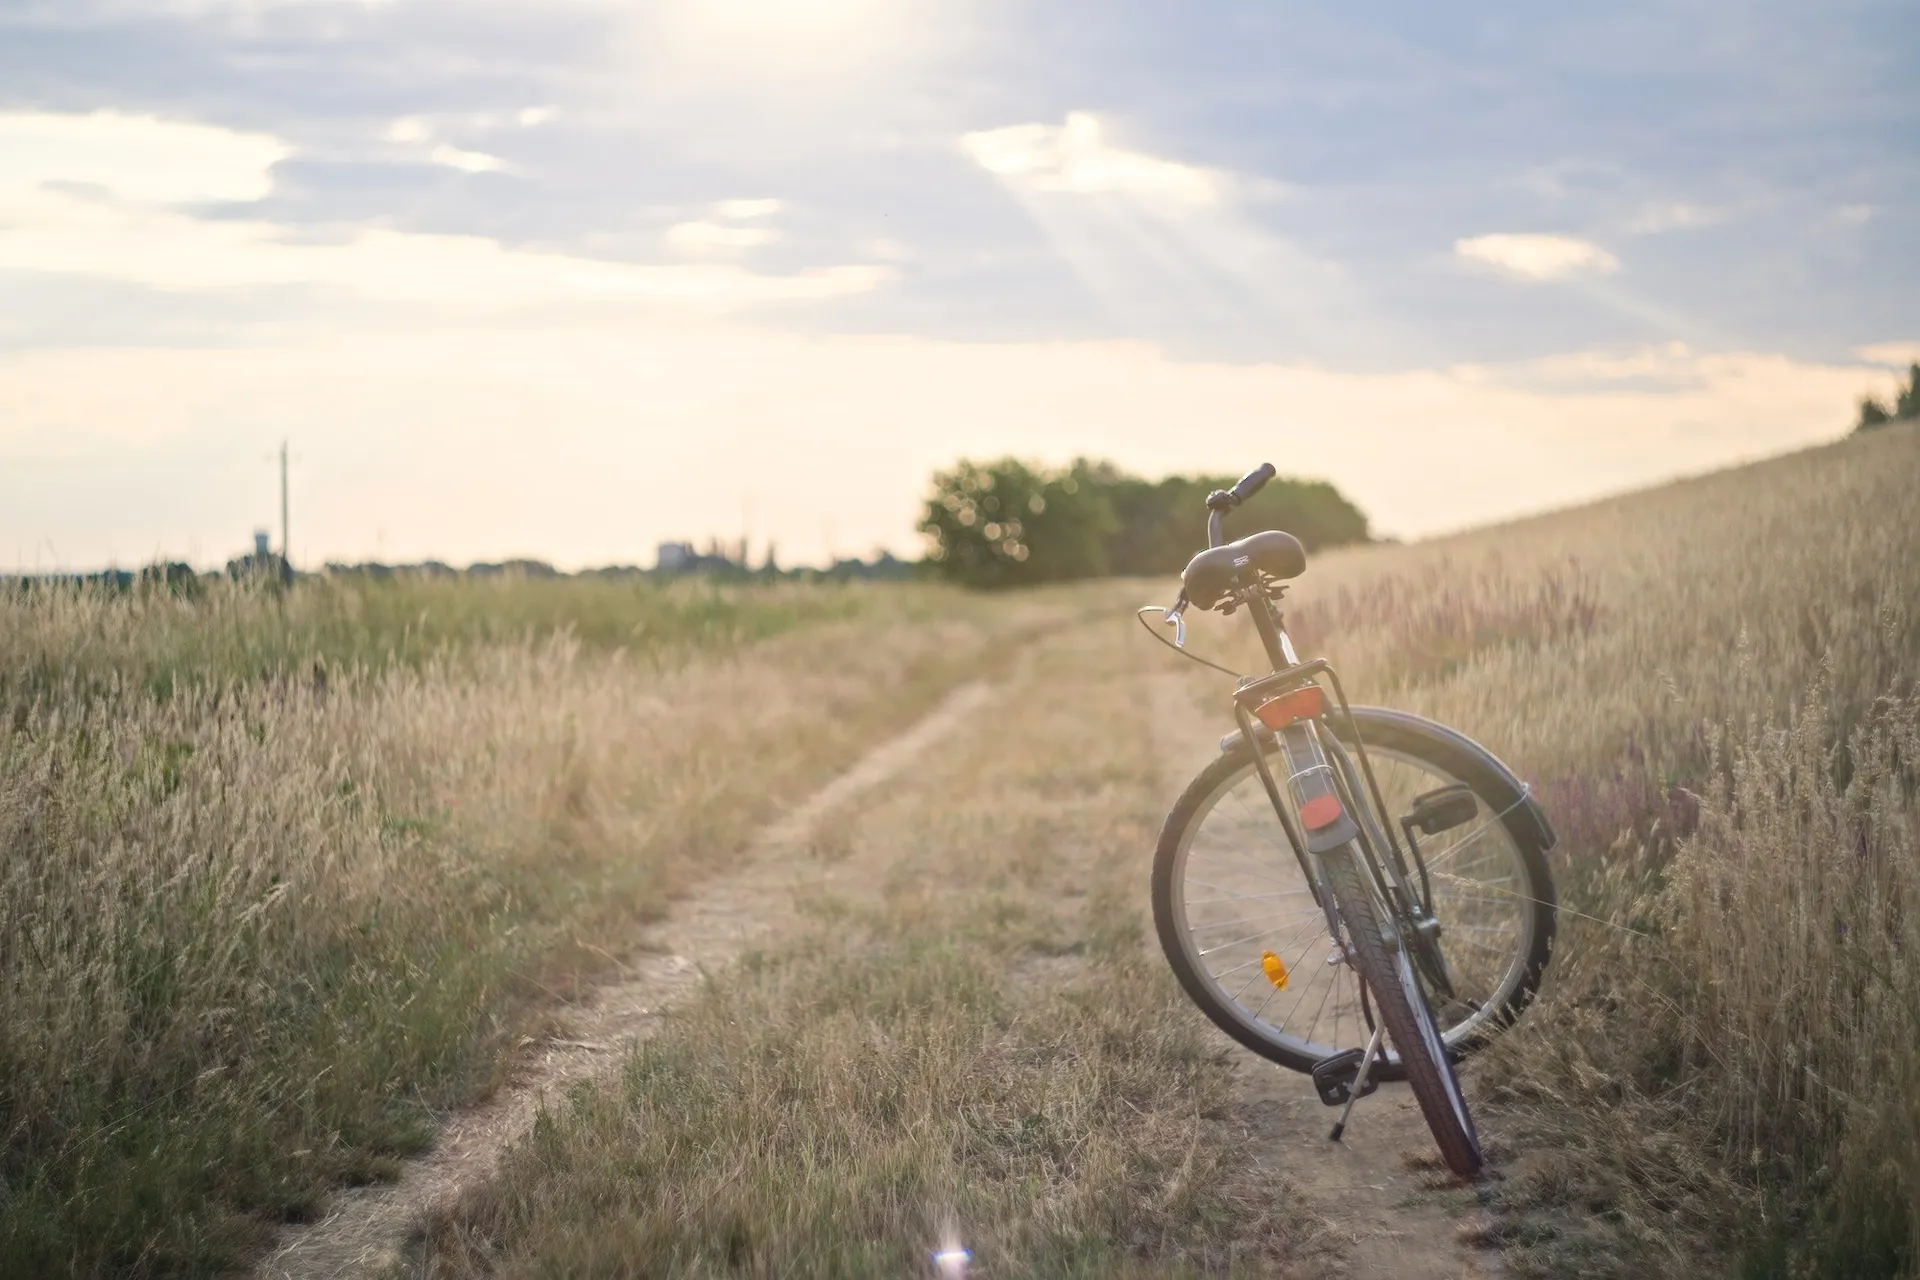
<point x="284" y="877"/>
<point x="1713" y="685"/>
<point x="980" y="1050"/>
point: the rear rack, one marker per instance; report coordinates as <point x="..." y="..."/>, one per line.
<point x="1254" y="692"/>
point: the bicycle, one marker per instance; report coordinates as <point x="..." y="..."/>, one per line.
<point x="1285" y="839"/>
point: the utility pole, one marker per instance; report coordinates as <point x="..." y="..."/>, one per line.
<point x="286" y="556"/>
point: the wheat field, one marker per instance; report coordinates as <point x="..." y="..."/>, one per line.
<point x="287" y="877"/>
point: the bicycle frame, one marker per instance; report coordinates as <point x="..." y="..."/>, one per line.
<point x="1312" y="775"/>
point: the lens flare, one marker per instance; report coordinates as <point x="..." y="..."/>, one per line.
<point x="951" y="1262"/>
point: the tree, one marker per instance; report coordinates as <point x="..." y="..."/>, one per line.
<point x="1005" y="523"/>
<point x="1906" y="405"/>
<point x="1009" y="523"/>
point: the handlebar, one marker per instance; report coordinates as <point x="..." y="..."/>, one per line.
<point x="1221" y="501"/>
<point x="1252" y="482"/>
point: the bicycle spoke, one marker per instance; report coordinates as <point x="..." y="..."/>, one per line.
<point x="1238" y="855"/>
<point x="1318" y="1011"/>
<point x="1207" y="884"/>
<point x="1242" y="897"/>
<point x="1222" y="924"/>
<point x="1252" y="937"/>
<point x="1307" y="928"/>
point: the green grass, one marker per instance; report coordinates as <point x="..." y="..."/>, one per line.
<point x="93" y="641"/>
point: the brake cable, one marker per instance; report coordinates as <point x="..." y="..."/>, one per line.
<point x="1192" y="657"/>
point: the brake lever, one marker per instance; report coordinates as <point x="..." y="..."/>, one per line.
<point x="1176" y="617"/>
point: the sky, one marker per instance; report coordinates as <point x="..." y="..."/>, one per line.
<point x="564" y="279"/>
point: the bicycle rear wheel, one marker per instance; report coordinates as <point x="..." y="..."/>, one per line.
<point x="1403" y="1009"/>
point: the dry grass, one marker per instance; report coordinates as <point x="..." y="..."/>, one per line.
<point x="1750" y="1070"/>
<point x="1712" y="685"/>
<point x="983" y="1052"/>
<point x="261" y="917"/>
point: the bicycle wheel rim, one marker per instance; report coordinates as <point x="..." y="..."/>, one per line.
<point x="1236" y="893"/>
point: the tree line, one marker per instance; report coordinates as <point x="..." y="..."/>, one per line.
<point x="1007" y="523"/>
<point x="1905" y="406"/>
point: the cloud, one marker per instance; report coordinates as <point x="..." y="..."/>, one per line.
<point x="409" y="129"/>
<point x="164" y="250"/>
<point x="1677" y="216"/>
<point x="1668" y="367"/>
<point x="720" y="235"/>
<point x="89" y="12"/>
<point x="1898" y="354"/>
<point x="469" y="161"/>
<point x="1173" y="251"/>
<point x="1537" y="257"/>
<point x="135" y="158"/>
<point x="703" y="237"/>
<point x="110" y="196"/>
<point x="1076" y="157"/>
<point x="747" y="208"/>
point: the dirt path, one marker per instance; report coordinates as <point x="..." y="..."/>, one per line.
<point x="365" y="1229"/>
<point x="1398" y="1212"/>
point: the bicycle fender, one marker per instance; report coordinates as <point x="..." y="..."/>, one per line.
<point x="1532" y="818"/>
<point x="1529" y="811"/>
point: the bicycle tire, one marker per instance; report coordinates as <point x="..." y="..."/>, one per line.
<point x="1403" y="1011"/>
<point x="1441" y="751"/>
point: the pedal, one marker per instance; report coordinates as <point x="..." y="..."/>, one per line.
<point x="1333" y="1078"/>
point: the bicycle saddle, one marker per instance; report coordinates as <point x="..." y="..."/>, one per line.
<point x="1213" y="573"/>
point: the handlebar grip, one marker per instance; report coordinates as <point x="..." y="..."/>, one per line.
<point x="1252" y="482"/>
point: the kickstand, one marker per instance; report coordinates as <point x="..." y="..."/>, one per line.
<point x="1359" y="1083"/>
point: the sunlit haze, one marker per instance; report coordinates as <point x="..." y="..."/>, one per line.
<point x="567" y="280"/>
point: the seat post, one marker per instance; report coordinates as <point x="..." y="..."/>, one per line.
<point x="1272" y="639"/>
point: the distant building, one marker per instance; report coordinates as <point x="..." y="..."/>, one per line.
<point x="674" y="557"/>
<point x="262" y="562"/>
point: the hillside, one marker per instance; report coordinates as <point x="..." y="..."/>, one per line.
<point x="933" y="1016"/>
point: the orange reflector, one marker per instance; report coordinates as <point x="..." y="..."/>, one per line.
<point x="1304" y="703"/>
<point x="1276" y="972"/>
<point x="1320" y="812"/>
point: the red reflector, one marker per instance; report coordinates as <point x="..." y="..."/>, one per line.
<point x="1320" y="812"/>
<point x="1302" y="704"/>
